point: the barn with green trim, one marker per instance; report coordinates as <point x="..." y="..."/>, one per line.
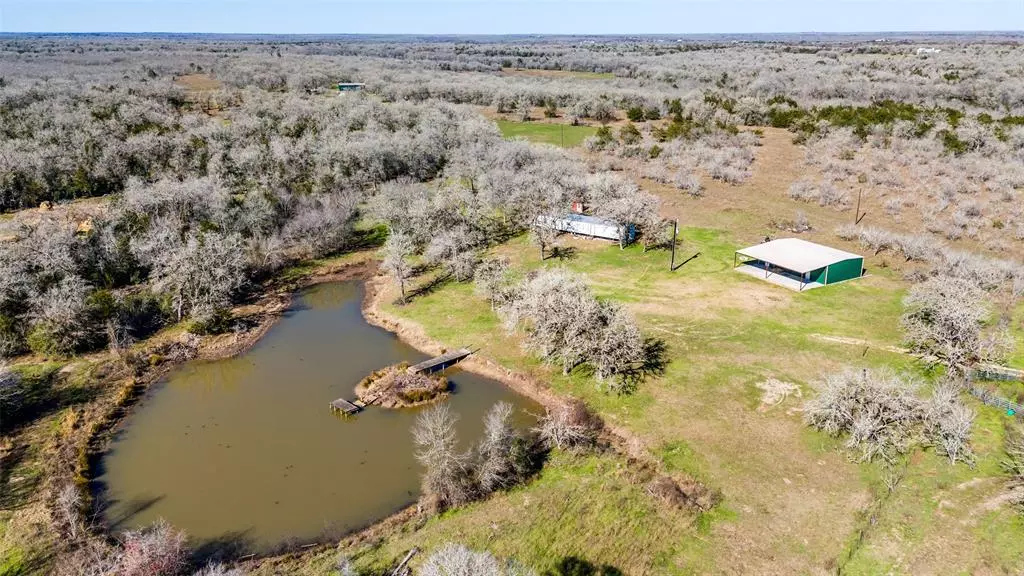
<point x="798" y="264"/>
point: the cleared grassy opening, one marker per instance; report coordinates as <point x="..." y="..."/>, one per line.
<point x="544" y="133"/>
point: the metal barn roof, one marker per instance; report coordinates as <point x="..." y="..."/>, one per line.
<point x="797" y="255"/>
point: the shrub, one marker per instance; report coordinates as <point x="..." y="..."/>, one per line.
<point x="569" y="426"/>
<point x="882" y="415"/>
<point x="629" y="134"/>
<point x="878" y="410"/>
<point x="1013" y="445"/>
<point x="158" y="550"/>
<point x="635" y="114"/>
<point x="948" y="422"/>
<point x="218" y="569"/>
<point x="689" y="183"/>
<point x="457" y="560"/>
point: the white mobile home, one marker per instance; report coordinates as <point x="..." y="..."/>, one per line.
<point x="591" y="226"/>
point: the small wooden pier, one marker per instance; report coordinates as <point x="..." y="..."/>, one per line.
<point x="346" y="407"/>
<point x="435" y="364"/>
<point x="439" y="363"/>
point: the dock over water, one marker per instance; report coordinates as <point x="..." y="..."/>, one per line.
<point x="435" y="364"/>
<point x="442" y="362"/>
<point x="346" y="407"/>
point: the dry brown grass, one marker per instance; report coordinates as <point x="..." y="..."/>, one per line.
<point x="198" y="82"/>
<point x="538" y="73"/>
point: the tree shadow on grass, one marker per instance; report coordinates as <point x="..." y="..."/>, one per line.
<point x="17" y="495"/>
<point x="575" y="566"/>
<point x="654" y="363"/>
<point x="33" y="561"/>
<point x="562" y="253"/>
<point x="427" y="288"/>
<point x="39" y="396"/>
<point x="369" y="238"/>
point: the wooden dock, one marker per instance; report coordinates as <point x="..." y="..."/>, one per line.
<point x="442" y="362"/>
<point x="346" y="407"/>
<point x="435" y="364"/>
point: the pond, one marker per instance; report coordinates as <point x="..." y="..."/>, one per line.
<point x="246" y="450"/>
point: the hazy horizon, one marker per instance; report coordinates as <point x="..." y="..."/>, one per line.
<point x="522" y="17"/>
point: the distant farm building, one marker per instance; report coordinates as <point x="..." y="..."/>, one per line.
<point x="592" y="227"/>
<point x="350" y="86"/>
<point x="798" y="264"/>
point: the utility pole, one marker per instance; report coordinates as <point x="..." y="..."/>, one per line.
<point x="562" y="131"/>
<point x="675" y="234"/>
<point x="857" y="217"/>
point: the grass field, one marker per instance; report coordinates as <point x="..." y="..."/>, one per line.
<point x="558" y="134"/>
<point x="576" y="501"/>
<point x="794" y="500"/>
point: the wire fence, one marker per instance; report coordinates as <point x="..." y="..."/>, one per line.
<point x="999" y="374"/>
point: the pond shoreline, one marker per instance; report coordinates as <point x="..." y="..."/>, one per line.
<point x="269" y="309"/>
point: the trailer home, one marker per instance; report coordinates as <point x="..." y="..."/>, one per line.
<point x="592" y="227"/>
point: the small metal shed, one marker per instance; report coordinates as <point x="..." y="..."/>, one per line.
<point x="350" y="86"/>
<point x="799" y="264"/>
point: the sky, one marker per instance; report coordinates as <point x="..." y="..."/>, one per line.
<point x="509" y="17"/>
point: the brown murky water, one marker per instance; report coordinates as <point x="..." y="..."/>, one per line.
<point x="247" y="450"/>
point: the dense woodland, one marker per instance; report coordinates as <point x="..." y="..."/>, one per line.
<point x="147" y="181"/>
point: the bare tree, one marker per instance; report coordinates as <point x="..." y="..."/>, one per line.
<point x="448" y="473"/>
<point x="503" y="456"/>
<point x="491" y="280"/>
<point x="397" y="249"/>
<point x="203" y="274"/>
<point x="944" y="318"/>
<point x="621" y="346"/>
<point x="542" y="233"/>
<point x="67" y="509"/>
<point x="60" y="321"/>
<point x="92" y="557"/>
<point x="566" y="323"/>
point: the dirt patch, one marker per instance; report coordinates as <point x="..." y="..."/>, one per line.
<point x="706" y="300"/>
<point x="198" y="82"/>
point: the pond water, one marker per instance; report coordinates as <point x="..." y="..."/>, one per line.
<point x="246" y="451"/>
